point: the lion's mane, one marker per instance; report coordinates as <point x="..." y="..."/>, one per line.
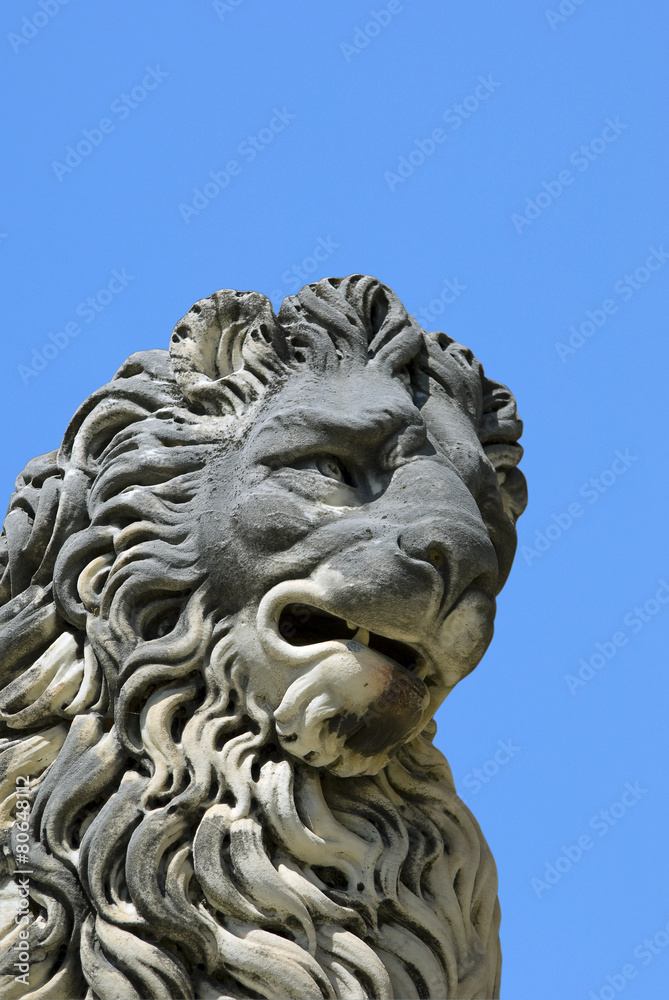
<point x="175" y="850"/>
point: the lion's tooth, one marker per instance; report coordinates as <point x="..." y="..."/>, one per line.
<point x="362" y="636"/>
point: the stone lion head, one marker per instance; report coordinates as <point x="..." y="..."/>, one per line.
<point x="230" y="605"/>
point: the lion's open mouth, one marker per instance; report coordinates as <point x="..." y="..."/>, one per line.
<point x="305" y="625"/>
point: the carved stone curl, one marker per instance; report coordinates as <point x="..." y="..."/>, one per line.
<point x="230" y="605"/>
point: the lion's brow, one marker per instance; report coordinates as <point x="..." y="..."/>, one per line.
<point x="305" y="428"/>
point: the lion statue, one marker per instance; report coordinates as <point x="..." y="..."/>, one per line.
<point x="230" y="605"/>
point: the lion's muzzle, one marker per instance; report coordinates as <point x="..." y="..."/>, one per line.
<point x="345" y="705"/>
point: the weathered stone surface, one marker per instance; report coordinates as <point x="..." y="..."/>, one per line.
<point x="230" y="605"/>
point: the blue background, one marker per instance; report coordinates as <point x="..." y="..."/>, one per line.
<point x="327" y="175"/>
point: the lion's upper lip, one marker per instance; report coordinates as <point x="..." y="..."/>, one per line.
<point x="307" y="625"/>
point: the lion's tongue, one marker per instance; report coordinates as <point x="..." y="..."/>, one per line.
<point x="357" y="699"/>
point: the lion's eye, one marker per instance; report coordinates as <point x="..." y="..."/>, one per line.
<point x="331" y="467"/>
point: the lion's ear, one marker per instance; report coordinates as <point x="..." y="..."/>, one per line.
<point x="226" y="350"/>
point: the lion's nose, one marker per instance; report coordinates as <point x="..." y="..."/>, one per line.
<point x="460" y="562"/>
<point x="421" y="542"/>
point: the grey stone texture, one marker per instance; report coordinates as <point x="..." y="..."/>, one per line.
<point x="230" y="605"/>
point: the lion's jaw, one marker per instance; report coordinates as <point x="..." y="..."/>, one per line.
<point x="343" y="695"/>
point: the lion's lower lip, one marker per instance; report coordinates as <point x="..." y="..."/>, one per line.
<point x="306" y="625"/>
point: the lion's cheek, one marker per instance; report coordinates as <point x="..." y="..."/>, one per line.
<point x="249" y="546"/>
<point x="272" y="524"/>
<point x="349" y="710"/>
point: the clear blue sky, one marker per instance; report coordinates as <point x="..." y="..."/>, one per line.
<point x="542" y="198"/>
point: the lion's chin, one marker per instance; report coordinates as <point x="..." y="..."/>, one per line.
<point x="349" y="709"/>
